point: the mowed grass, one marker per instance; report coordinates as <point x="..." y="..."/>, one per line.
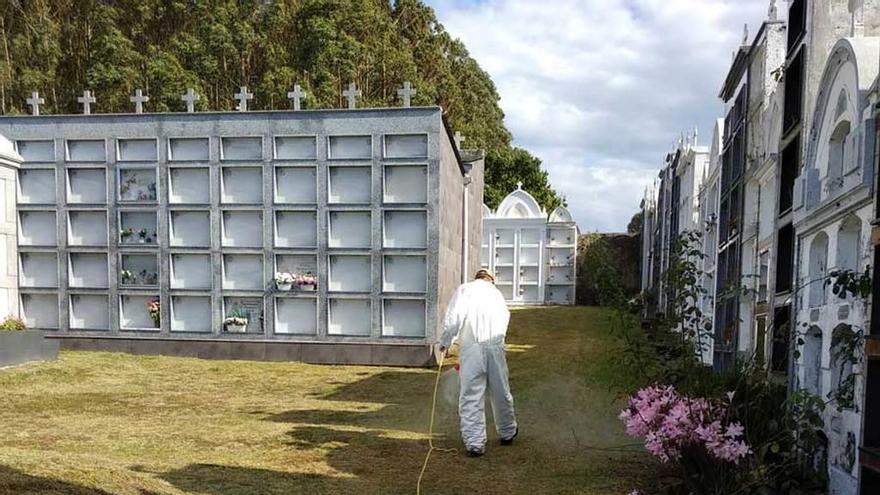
<point x="95" y="423"/>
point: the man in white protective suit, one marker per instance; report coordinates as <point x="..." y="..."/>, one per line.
<point x="478" y="317"/>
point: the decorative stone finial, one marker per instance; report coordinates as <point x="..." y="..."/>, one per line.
<point x="519" y="185"/>
<point x="745" y="34"/>
<point x="406" y="93"/>
<point x="86" y="101"/>
<point x="139" y="99"/>
<point x="296" y="96"/>
<point x="34" y="102"/>
<point x="243" y="96"/>
<point x="772" y="13"/>
<point x="352" y="94"/>
<point x="190" y="98"/>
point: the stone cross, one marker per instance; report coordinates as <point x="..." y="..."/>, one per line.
<point x="519" y="185"/>
<point x="190" y="97"/>
<point x="34" y="102"/>
<point x="138" y="99"/>
<point x="772" y="14"/>
<point x="296" y="96"/>
<point x="458" y="139"/>
<point x="406" y="93"/>
<point x="86" y="101"/>
<point x="243" y="96"/>
<point x="745" y="34"/>
<point x="352" y="94"/>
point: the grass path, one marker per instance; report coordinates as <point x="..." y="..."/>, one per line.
<point x="97" y="423"/>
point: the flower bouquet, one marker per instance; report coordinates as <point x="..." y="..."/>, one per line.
<point x="284" y="280"/>
<point x="154" y="308"/>
<point x="306" y="281"/>
<point x="236" y="321"/>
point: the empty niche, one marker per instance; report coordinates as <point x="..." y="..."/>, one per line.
<point x="560" y="295"/>
<point x="350" y="185"/>
<point x="191" y="314"/>
<point x="530" y="237"/>
<point x="87" y="228"/>
<point x="350" y="317"/>
<point x="504" y="256"/>
<point x="40" y="310"/>
<point x="252" y="307"/>
<point x="188" y="149"/>
<point x="403" y="318"/>
<point x="561" y="257"/>
<point x="243" y="271"/>
<point x="139" y="269"/>
<point x="404" y="274"/>
<point x="529" y="256"/>
<point x="504" y="274"/>
<point x="137" y="150"/>
<point x="560" y="275"/>
<point x="37" y="228"/>
<point x="134" y="312"/>
<point x="242" y="185"/>
<point x="405" y="229"/>
<point x="242" y="228"/>
<point x="88" y="270"/>
<point x="528" y="274"/>
<point x="296" y="229"/>
<point x="242" y="148"/>
<point x="138" y="227"/>
<point x="296" y="185"/>
<point x="189" y="185"/>
<point x="38" y="270"/>
<point x="190" y="229"/>
<point x="191" y="271"/>
<point x="137" y="184"/>
<point x="298" y="264"/>
<point x="406" y="184"/>
<point x="296" y="315"/>
<point x="37" y="151"/>
<point x="86" y="150"/>
<point x="561" y="237"/>
<point x="295" y="148"/>
<point x="351" y="229"/>
<point x="506" y="291"/>
<point x="87" y="185"/>
<point x="351" y="147"/>
<point x="504" y="237"/>
<point x="528" y="292"/>
<point x="89" y="312"/>
<point x="350" y="273"/>
<point x="36" y="186"/>
<point x="406" y="146"/>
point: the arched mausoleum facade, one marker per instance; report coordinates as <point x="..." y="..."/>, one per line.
<point x="533" y="255"/>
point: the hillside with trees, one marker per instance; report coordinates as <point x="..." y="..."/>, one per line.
<point x="61" y="47"/>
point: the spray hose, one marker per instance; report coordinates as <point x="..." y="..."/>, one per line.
<point x="431" y="446"/>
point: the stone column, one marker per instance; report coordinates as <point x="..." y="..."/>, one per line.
<point x="9" y="163"/>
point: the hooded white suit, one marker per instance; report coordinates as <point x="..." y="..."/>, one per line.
<point x="478" y="316"/>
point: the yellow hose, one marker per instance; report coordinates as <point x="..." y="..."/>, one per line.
<point x="431" y="447"/>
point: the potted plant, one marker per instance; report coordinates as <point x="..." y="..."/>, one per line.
<point x="236" y="321"/>
<point x="142" y="236"/>
<point x="284" y="280"/>
<point x="154" y="308"/>
<point x="306" y="281"/>
<point x="126" y="234"/>
<point x="127" y="277"/>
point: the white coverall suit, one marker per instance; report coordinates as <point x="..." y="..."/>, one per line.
<point x="478" y="316"/>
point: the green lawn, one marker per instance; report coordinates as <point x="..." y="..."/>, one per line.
<point x="95" y="423"/>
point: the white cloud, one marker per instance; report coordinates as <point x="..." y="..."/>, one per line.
<point x="600" y="89"/>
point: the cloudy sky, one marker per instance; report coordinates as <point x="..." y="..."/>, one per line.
<point x="600" y="89"/>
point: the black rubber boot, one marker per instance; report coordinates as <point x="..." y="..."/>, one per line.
<point x="509" y="441"/>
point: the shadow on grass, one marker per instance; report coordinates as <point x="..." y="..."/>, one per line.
<point x="20" y="483"/>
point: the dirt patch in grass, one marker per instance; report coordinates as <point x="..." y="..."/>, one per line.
<point x="97" y="423"/>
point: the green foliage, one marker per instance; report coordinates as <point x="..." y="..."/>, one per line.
<point x="13" y="324"/>
<point x="607" y="269"/>
<point x="60" y="48"/>
<point x="634" y="227"/>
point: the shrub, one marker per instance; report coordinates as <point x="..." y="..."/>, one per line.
<point x="12" y="323"/>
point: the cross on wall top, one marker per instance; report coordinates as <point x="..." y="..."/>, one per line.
<point x="190" y="98"/>
<point x="296" y="96"/>
<point x="139" y="99"/>
<point x="243" y="96"/>
<point x="34" y="102"/>
<point x="406" y="93"/>
<point x="86" y="101"/>
<point x="352" y="94"/>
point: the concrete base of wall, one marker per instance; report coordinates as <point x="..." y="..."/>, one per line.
<point x="26" y="346"/>
<point x="416" y="355"/>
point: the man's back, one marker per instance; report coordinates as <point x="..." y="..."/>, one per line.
<point x="479" y="312"/>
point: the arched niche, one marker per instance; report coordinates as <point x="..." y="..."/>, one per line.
<point x="561" y="215"/>
<point x="487" y="213"/>
<point x="818" y="268"/>
<point x="812" y="360"/>
<point x="848" y="243"/>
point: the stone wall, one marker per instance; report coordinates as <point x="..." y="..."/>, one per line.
<point x="9" y="161"/>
